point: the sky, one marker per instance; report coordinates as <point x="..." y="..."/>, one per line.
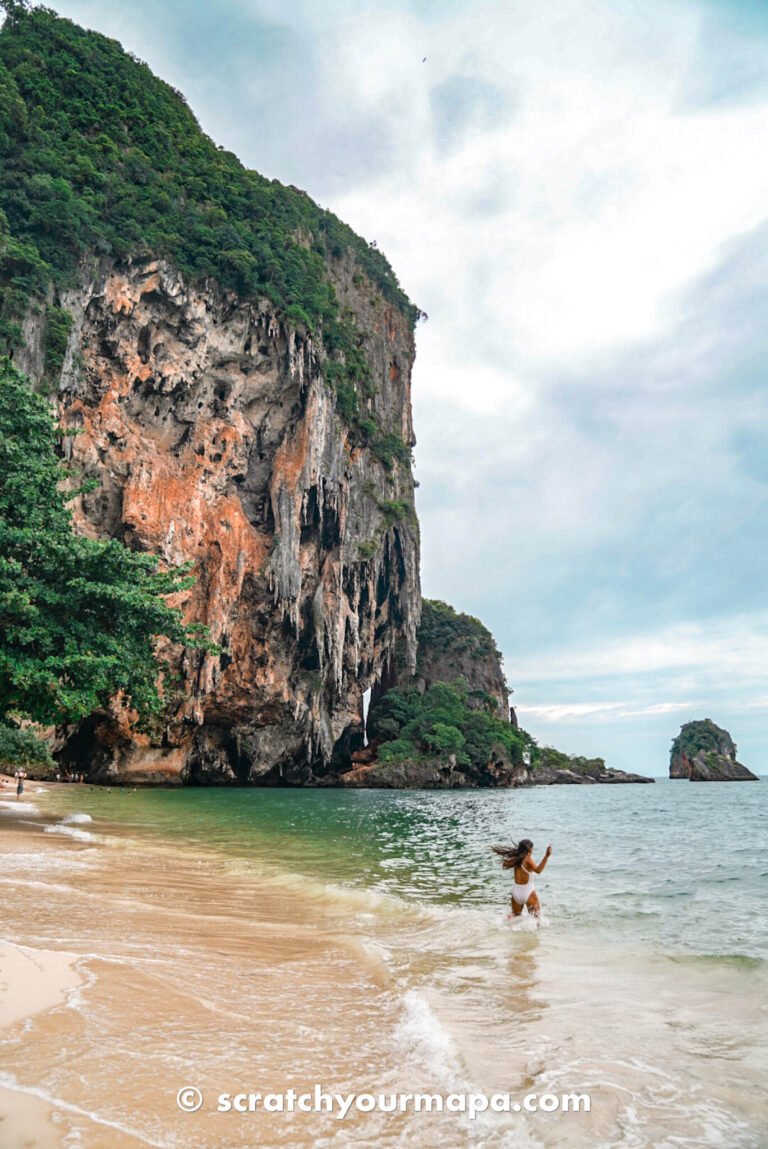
<point x="576" y="193"/>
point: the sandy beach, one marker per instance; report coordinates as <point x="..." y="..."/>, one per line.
<point x="31" y="981"/>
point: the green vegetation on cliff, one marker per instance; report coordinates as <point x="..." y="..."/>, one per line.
<point x="439" y="721"/>
<point x="702" y="735"/>
<point x="78" y="616"/>
<point x="444" y="628"/>
<point x="99" y="156"/>
<point x="547" y="758"/>
<point x="20" y="746"/>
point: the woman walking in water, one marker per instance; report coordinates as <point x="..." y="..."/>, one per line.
<point x="520" y="859"/>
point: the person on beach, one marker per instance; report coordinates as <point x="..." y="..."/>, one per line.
<point x="19" y="784"/>
<point x="520" y="859"/>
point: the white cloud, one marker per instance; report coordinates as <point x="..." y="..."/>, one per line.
<point x="730" y="650"/>
<point x="597" y="711"/>
<point x="616" y="195"/>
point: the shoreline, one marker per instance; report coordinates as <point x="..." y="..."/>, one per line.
<point x="173" y="933"/>
<point x="32" y="981"/>
<point x="357" y="780"/>
<point x="260" y="960"/>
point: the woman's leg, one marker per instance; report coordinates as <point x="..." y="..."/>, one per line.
<point x="533" y="904"/>
<point x="517" y="909"/>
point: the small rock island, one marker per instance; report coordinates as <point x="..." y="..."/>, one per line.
<point x="704" y="752"/>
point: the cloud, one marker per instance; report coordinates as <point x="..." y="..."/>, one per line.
<point x="730" y="650"/>
<point x="462" y="105"/>
<point x="615" y="196"/>
<point x="598" y="711"/>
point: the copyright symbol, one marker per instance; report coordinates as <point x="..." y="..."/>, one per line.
<point x="189" y="1099"/>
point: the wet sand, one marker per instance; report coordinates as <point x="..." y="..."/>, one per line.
<point x="134" y="972"/>
<point x="31" y="981"/>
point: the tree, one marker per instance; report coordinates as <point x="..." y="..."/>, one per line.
<point x="408" y="723"/>
<point x="78" y="617"/>
<point x="14" y="7"/>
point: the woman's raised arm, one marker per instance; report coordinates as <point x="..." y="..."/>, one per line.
<point x="531" y="866"/>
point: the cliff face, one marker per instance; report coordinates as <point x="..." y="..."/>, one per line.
<point x="704" y="752"/>
<point x="453" y="646"/>
<point x="446" y="724"/>
<point x="215" y="440"/>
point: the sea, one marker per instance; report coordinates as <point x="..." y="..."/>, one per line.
<point x="247" y="942"/>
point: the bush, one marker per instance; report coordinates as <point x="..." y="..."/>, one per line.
<point x="440" y="721"/>
<point x="399" y="750"/>
<point x="21" y="747"/>
<point x="444" y="739"/>
<point x="703" y="735"/>
<point x="444" y="628"/>
<point x="396" y="511"/>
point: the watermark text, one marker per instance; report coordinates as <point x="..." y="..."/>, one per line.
<point x="340" y="1105"/>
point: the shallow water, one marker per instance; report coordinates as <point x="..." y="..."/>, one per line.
<point x="254" y="939"/>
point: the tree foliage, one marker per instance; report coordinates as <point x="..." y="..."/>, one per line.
<point x="444" y="628"/>
<point x="21" y="747"/>
<point x="410" y="724"/>
<point x="78" y="616"/>
<point x="702" y="735"/>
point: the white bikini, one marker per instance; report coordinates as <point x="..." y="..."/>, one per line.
<point x="522" y="892"/>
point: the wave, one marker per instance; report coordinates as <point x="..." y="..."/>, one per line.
<point x="70" y="831"/>
<point x="19" y="807"/>
<point x="8" y="1081"/>
<point x="44" y="861"/>
<point x="428" y="1041"/>
<point x="739" y="960"/>
<point x="75" y="818"/>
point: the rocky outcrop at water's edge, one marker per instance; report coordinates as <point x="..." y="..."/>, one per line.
<point x="704" y="752"/>
<point x="553" y="769"/>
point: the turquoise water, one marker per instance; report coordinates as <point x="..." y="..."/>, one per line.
<point x="677" y="866"/>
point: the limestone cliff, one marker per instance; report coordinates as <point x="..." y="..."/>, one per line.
<point x="214" y="439"/>
<point x="446" y="724"/>
<point x="453" y="646"/>
<point x="704" y="752"/>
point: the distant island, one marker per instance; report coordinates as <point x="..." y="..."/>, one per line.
<point x="704" y="752"/>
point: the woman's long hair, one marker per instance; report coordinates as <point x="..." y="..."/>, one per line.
<point x="513" y="855"/>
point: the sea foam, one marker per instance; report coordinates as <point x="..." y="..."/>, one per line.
<point x="428" y="1040"/>
<point x="15" y="807"/>
<point x="70" y="831"/>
